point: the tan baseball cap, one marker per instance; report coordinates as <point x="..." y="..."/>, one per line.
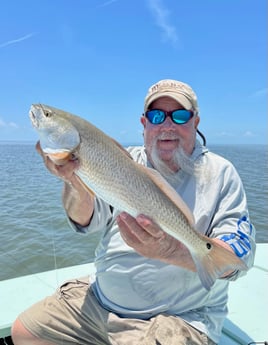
<point x="177" y="90"/>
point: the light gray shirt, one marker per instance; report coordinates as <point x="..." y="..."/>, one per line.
<point x="134" y="286"/>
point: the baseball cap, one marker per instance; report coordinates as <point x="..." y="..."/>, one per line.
<point x="177" y="90"/>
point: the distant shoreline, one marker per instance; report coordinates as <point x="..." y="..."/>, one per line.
<point x="30" y="142"/>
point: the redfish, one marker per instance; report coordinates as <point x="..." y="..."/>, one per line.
<point x="108" y="170"/>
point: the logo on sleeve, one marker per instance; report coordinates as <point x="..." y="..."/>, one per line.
<point x="239" y="241"/>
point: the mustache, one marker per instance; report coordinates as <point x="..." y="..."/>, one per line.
<point x="167" y="136"/>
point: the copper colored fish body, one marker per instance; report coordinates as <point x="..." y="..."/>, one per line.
<point x="109" y="171"/>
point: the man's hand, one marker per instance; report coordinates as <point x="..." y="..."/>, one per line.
<point x="63" y="169"/>
<point x="78" y="201"/>
<point x="147" y="238"/>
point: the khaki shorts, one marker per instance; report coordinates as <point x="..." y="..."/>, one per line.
<point x="73" y="316"/>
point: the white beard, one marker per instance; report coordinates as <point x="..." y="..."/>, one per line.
<point x="185" y="163"/>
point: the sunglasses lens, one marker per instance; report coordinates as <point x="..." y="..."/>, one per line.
<point x="181" y="116"/>
<point x="156" y="116"/>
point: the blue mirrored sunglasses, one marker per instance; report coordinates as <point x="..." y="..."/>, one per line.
<point x="179" y="116"/>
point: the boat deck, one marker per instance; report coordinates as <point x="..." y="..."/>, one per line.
<point x="248" y="300"/>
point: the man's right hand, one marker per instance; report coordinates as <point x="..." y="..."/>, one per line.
<point x="62" y="169"/>
<point x="77" y="199"/>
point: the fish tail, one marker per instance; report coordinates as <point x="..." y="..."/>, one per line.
<point x="215" y="263"/>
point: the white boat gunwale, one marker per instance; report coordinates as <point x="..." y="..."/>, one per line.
<point x="246" y="323"/>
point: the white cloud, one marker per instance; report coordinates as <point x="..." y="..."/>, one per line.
<point x="13" y="125"/>
<point x="260" y="93"/>
<point x="224" y="134"/>
<point x="249" y="134"/>
<point x="107" y="3"/>
<point x="4" y="124"/>
<point x="162" y="16"/>
<point x="20" y="39"/>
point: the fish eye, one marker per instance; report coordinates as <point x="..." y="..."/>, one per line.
<point x="47" y="113"/>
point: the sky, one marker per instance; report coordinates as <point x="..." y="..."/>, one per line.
<point x="97" y="59"/>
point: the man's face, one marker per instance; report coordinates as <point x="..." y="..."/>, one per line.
<point x="168" y="137"/>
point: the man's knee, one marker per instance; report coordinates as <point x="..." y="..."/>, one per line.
<point x="21" y="336"/>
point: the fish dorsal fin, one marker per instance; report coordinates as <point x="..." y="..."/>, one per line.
<point x="122" y="148"/>
<point x="171" y="193"/>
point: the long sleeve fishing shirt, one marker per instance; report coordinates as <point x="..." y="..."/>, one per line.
<point x="138" y="287"/>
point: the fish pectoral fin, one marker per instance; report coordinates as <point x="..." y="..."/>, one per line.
<point x="171" y="193"/>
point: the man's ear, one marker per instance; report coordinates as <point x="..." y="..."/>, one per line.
<point x="143" y="120"/>
<point x="196" y="121"/>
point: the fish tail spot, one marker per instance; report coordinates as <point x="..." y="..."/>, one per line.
<point x="208" y="245"/>
<point x="215" y="263"/>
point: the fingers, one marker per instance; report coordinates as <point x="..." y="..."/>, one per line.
<point x="146" y="238"/>
<point x="152" y="228"/>
<point x="65" y="170"/>
<point x="38" y="147"/>
<point x="127" y="230"/>
<point x="140" y="229"/>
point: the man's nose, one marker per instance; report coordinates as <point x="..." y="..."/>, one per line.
<point x="168" y="123"/>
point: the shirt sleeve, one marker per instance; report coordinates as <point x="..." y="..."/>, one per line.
<point x="101" y="217"/>
<point x="231" y="222"/>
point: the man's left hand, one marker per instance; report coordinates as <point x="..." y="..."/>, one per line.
<point x="149" y="240"/>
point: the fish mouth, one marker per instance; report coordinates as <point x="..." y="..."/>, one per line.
<point x="36" y="114"/>
<point x="33" y="117"/>
<point x="58" y="137"/>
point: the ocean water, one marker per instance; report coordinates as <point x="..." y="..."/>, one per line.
<point x="34" y="233"/>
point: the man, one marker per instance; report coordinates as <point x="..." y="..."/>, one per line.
<point x="146" y="290"/>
